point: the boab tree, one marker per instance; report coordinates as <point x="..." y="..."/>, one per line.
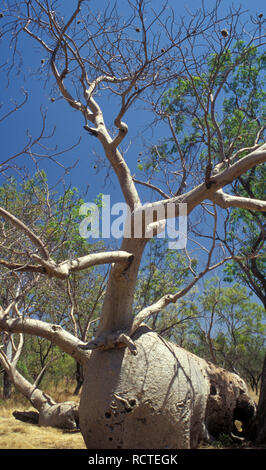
<point x="135" y="382"/>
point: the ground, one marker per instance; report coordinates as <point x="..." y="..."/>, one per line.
<point x="15" y="434"/>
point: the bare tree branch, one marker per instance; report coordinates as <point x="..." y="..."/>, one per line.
<point x="54" y="333"/>
<point x="62" y="270"/>
<point x="220" y="179"/>
<point x="225" y="200"/>
<point x="21" y="226"/>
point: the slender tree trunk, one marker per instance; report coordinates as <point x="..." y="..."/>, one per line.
<point x="257" y="429"/>
<point x="7" y="383"/>
<point x="117" y="308"/>
<point x="79" y="378"/>
<point x="261" y="412"/>
<point x="7" y="386"/>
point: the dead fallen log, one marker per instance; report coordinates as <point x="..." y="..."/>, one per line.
<point x="59" y="415"/>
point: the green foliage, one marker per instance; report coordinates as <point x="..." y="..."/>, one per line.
<point x="71" y="303"/>
<point x="37" y="352"/>
<point x="244" y="108"/>
<point x="246" y="236"/>
<point x="233" y="325"/>
<point x="223" y="441"/>
<point x="164" y="271"/>
<point x="221" y="324"/>
<point x="233" y="82"/>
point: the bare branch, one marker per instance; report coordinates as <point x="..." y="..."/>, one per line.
<point x="21" y="226"/>
<point x="151" y="186"/>
<point x="54" y="333"/>
<point x="225" y="200"/>
<point x="63" y="269"/>
<point x="26" y="267"/>
<point x="219" y="179"/>
<point x="172" y="298"/>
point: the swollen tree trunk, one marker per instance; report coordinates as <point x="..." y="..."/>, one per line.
<point x="155" y="399"/>
<point x="163" y="397"/>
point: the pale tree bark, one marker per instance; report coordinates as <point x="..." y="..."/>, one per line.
<point x="227" y="200"/>
<point x="54" y="333"/>
<point x="62" y="415"/>
<point x="135" y="382"/>
<point x="64" y="269"/>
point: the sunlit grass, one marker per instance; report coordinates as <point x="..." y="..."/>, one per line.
<point x="15" y="434"/>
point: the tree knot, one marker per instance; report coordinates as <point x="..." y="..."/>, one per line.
<point x="56" y="328"/>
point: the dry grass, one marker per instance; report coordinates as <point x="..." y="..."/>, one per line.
<point x="15" y="434"/>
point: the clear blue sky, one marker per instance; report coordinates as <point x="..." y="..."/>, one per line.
<point x="69" y="124"/>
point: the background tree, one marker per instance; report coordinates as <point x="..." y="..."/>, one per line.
<point x="131" y="372"/>
<point x="74" y="303"/>
<point x="62" y="415"/>
<point x="260" y="433"/>
<point x="230" y="330"/>
<point x="250" y="265"/>
<point x="245" y="116"/>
